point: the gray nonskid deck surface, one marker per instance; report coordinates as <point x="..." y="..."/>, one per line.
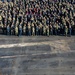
<point x="39" y="55"/>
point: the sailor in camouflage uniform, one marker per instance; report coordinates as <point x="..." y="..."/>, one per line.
<point x="1" y="27"/>
<point x="33" y="30"/>
<point x="20" y="29"/>
<point x="70" y="30"/>
<point x="8" y="29"/>
<point x="12" y="29"/>
<point x="44" y="30"/>
<point x="16" y="28"/>
<point x="37" y="30"/>
<point x="40" y="27"/>
<point x="24" y="29"/>
<point x="51" y="30"/>
<point x="66" y="30"/>
<point x="56" y="28"/>
<point x="29" y="29"/>
<point x="47" y="29"/>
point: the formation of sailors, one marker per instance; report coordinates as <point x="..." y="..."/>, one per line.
<point x="38" y="17"/>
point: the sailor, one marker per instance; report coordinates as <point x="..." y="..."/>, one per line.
<point x="44" y="30"/>
<point x="0" y="18"/>
<point x="33" y="30"/>
<point x="40" y="27"/>
<point x="70" y="30"/>
<point x="37" y="30"/>
<point x="16" y="30"/>
<point x="20" y="29"/>
<point x="56" y="28"/>
<point x="47" y="29"/>
<point x="8" y="29"/>
<point x="12" y="29"/>
<point x="66" y="30"/>
<point x="51" y="30"/>
<point x="24" y="29"/>
<point x="29" y="29"/>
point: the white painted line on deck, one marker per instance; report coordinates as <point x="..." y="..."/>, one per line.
<point x="51" y="43"/>
<point x="14" y="56"/>
<point x="38" y="54"/>
<point x="21" y="45"/>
